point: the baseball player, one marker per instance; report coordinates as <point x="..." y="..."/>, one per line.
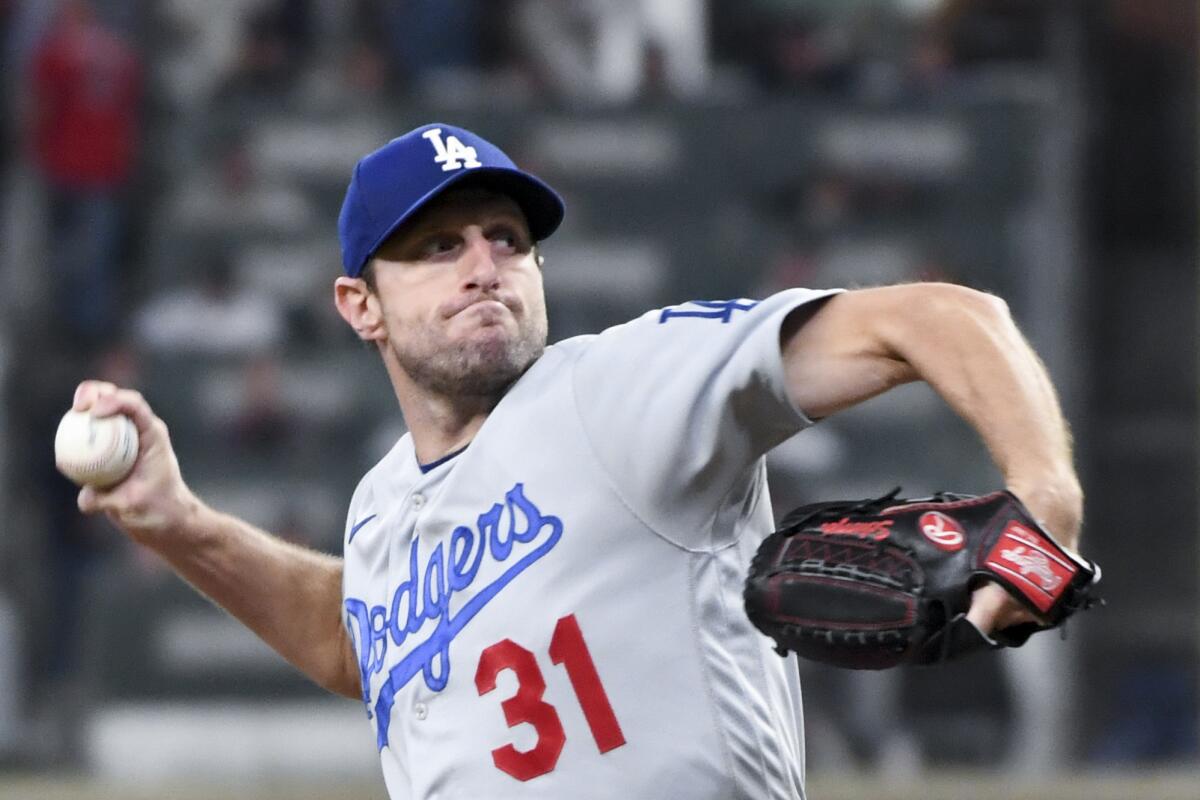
<point x="540" y="589"/>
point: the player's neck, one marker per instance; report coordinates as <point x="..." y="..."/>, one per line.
<point x="439" y="425"/>
<point x="438" y="432"/>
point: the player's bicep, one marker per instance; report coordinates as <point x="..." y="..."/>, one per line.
<point x="835" y="354"/>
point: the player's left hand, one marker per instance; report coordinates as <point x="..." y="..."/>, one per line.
<point x="876" y="582"/>
<point x="1059" y="507"/>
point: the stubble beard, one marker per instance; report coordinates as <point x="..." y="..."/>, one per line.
<point x="478" y="370"/>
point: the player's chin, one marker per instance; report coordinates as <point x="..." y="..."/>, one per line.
<point x="504" y="346"/>
<point x="489" y="328"/>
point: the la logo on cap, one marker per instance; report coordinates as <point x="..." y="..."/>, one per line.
<point x="452" y="154"/>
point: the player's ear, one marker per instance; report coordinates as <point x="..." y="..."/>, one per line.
<point x="359" y="306"/>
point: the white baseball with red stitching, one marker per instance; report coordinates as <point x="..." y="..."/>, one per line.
<point x="95" y="451"/>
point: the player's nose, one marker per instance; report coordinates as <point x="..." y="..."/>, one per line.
<point x="479" y="263"/>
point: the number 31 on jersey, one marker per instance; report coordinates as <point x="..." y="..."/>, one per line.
<point x="567" y="648"/>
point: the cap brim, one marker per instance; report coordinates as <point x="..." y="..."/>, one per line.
<point x="542" y="206"/>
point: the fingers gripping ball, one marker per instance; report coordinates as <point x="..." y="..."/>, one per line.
<point x="95" y="451"/>
<point x="870" y="584"/>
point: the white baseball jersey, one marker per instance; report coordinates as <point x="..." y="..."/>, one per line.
<point x="556" y="611"/>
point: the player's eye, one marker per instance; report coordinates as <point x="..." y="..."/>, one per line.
<point x="508" y="240"/>
<point x="436" y="246"/>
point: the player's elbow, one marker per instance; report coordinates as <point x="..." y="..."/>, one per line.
<point x="934" y="306"/>
<point x="340" y="682"/>
<point x="989" y="307"/>
<point x="942" y="296"/>
<point x="337" y="671"/>
<point x="345" y="688"/>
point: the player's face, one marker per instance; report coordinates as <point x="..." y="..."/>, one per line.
<point x="460" y="290"/>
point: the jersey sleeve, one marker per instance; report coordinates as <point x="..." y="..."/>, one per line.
<point x="682" y="402"/>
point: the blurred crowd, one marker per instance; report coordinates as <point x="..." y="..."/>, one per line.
<point x="579" y="52"/>
<point x="153" y="241"/>
<point x="102" y="92"/>
<point x="104" y="98"/>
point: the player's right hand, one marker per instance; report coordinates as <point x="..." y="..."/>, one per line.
<point x="152" y="500"/>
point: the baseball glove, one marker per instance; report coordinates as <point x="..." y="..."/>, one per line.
<point x="871" y="584"/>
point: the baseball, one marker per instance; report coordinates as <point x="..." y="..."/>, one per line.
<point x="95" y="451"/>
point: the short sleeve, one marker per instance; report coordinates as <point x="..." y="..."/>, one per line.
<point x="681" y="403"/>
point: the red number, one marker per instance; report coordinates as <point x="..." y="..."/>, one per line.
<point x="568" y="648"/>
<point x="524" y="706"/>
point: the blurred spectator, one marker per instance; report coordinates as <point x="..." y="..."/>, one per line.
<point x="365" y="63"/>
<point x="27" y="24"/>
<point x="260" y="69"/>
<point x="7" y="101"/>
<point x="874" y="49"/>
<point x="421" y="39"/>
<point x="980" y="32"/>
<point x="613" y="51"/>
<point x="274" y="48"/>
<point x="930" y="61"/>
<point x="262" y="422"/>
<point x="86" y="102"/>
<point x="231" y="198"/>
<point x="215" y="317"/>
<point x="794" y="48"/>
<point x="295" y="27"/>
<point x="204" y="39"/>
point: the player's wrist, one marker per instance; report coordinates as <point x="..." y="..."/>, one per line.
<point x="1055" y="501"/>
<point x="183" y="523"/>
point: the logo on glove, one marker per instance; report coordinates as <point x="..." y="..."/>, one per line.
<point x="874" y="529"/>
<point x="1037" y="572"/>
<point x="943" y="531"/>
<point x="1033" y="563"/>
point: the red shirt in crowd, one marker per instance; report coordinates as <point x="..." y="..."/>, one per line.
<point x="87" y="89"/>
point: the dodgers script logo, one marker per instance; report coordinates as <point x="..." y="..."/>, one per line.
<point x="452" y="154"/>
<point x="514" y="533"/>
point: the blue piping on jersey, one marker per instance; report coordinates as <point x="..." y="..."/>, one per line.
<point x="432" y="464"/>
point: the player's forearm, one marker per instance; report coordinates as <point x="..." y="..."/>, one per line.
<point x="967" y="347"/>
<point x="288" y="595"/>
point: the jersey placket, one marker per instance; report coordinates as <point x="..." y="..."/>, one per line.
<point x="413" y="703"/>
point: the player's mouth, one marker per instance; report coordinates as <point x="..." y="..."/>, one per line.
<point x="484" y="305"/>
<point x="487" y="312"/>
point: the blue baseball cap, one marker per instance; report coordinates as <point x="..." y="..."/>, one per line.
<point x="394" y="182"/>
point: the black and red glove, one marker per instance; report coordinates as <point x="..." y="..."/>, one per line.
<point x="874" y="583"/>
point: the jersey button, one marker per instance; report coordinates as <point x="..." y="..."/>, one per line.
<point x="418" y="500"/>
<point x="421" y="711"/>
